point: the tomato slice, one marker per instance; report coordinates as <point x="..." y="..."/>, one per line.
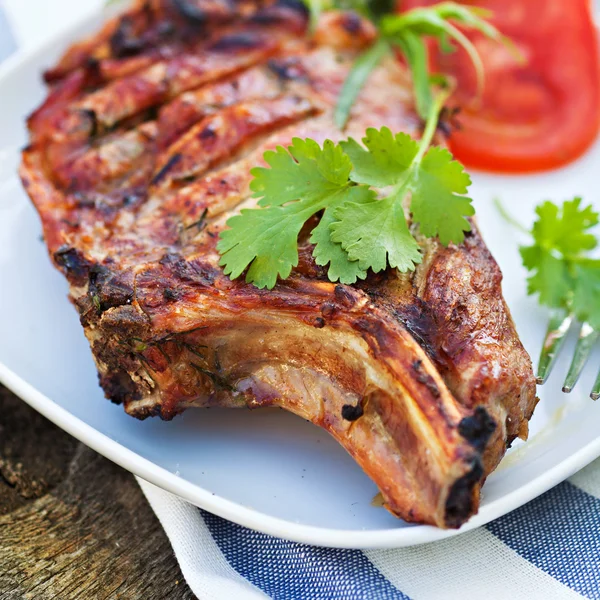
<point x="533" y="116"/>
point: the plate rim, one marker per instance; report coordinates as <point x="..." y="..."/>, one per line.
<point x="228" y="509"/>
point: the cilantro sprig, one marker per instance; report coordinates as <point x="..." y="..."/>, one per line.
<point x="407" y="33"/>
<point x="302" y="180"/>
<point x="362" y="193"/>
<point x="563" y="273"/>
<point x="361" y="227"/>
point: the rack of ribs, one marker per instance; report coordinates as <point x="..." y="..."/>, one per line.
<point x="141" y="152"/>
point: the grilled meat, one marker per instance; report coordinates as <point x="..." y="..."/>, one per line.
<point x="138" y="156"/>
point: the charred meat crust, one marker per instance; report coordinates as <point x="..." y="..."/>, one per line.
<point x="140" y="153"/>
<point x="477" y="428"/>
<point x="464" y="496"/>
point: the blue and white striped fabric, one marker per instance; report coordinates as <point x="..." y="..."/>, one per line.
<point x="548" y="549"/>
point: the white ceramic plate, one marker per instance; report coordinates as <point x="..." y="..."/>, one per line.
<point x="264" y="469"/>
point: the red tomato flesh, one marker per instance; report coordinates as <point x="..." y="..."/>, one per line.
<point x="533" y="116"/>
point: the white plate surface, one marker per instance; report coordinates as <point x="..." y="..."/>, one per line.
<point x="264" y="469"/>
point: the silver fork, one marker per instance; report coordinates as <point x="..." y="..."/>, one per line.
<point x="558" y="327"/>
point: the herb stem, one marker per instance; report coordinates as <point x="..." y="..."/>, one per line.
<point x="356" y="79"/>
<point x="509" y="218"/>
<point x="431" y="123"/>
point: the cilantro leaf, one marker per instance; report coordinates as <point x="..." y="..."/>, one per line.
<point x="565" y="228"/>
<point x="385" y="159"/>
<point x="304" y="171"/>
<point x="301" y="181"/>
<point x="561" y="271"/>
<point x="436" y="202"/>
<point x="328" y="252"/>
<point x="586" y="292"/>
<point x="436" y="183"/>
<point x="375" y="233"/>
<point x="359" y="227"/>
<point x="549" y="277"/>
<point x="266" y="239"/>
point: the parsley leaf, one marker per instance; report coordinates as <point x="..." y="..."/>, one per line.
<point x="561" y="271"/>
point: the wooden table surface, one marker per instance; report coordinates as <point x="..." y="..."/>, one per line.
<point x="73" y="524"/>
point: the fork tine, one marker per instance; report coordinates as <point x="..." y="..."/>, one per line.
<point x="560" y="322"/>
<point x="596" y="389"/>
<point x="587" y="338"/>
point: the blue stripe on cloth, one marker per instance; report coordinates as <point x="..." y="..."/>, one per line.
<point x="558" y="532"/>
<point x="290" y="571"/>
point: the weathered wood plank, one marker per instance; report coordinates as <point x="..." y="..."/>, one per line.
<point x="72" y="524"/>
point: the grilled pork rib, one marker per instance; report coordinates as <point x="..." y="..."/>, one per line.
<point x="138" y="156"/>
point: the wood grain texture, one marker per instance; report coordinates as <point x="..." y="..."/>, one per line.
<point x="73" y="524"/>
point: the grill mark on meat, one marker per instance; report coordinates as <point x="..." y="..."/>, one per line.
<point x="101" y="203"/>
<point x="186" y="110"/>
<point x="352" y="23"/>
<point x="93" y="119"/>
<point x="156" y="84"/>
<point x="164" y="170"/>
<point x="425" y="378"/>
<point x="138" y="157"/>
<point x="295" y="5"/>
<point x="95" y="125"/>
<point x="236" y="42"/>
<point x="219" y="136"/>
<point x="288" y="69"/>
<point x="224" y="187"/>
<point x="191" y="11"/>
<point x="124" y="42"/>
<point x="107" y="161"/>
<point x="145" y="25"/>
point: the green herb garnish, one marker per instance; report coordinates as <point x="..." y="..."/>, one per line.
<point x="362" y="193"/>
<point x="563" y="274"/>
<point x="407" y="32"/>
<point x="359" y="229"/>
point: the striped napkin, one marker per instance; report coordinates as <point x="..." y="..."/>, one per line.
<point x="548" y="549"/>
